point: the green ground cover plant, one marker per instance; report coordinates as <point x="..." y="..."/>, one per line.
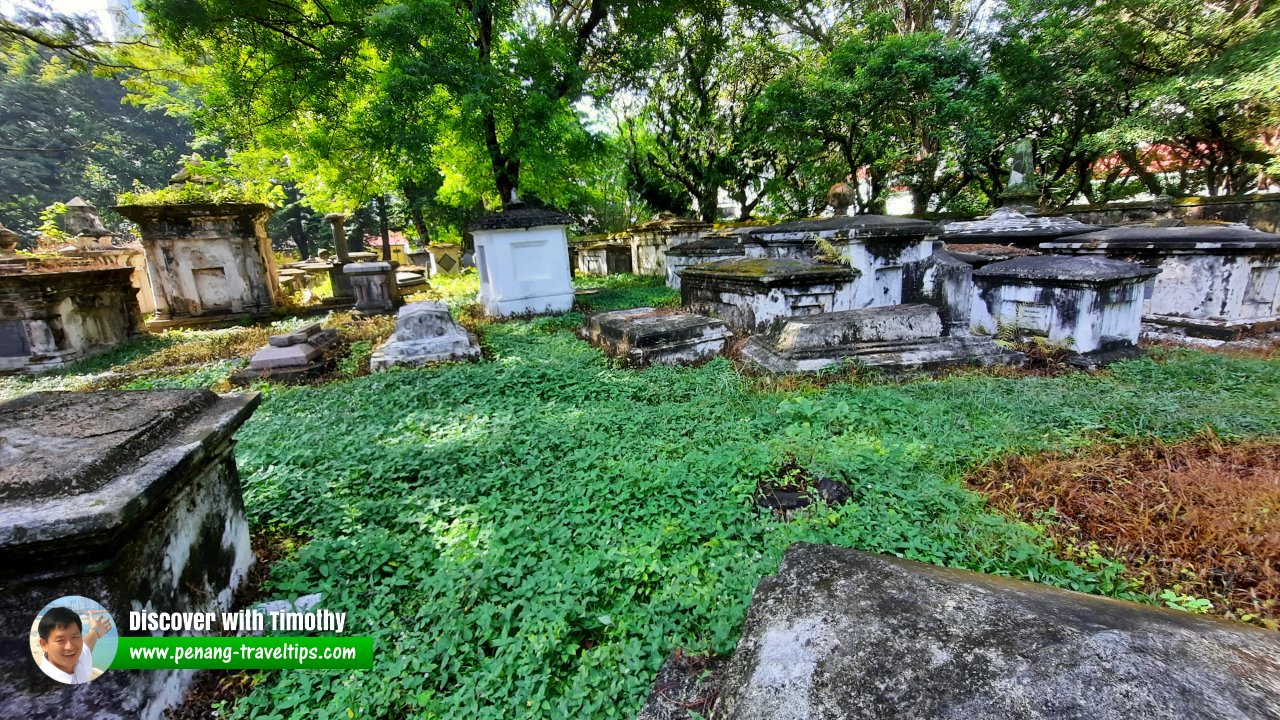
<point x="532" y="535"/>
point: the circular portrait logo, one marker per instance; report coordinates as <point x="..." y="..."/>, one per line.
<point x="73" y="639"/>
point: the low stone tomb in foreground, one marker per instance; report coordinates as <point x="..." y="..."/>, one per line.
<point x="1215" y="281"/>
<point x="425" y="333"/>
<point x="131" y="499"/>
<point x="892" y="339"/>
<point x="1091" y="306"/>
<point x="642" y="336"/>
<point x="839" y="634"/>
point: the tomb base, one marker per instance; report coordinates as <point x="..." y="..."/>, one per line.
<point x="643" y="336"/>
<point x="425" y="333"/>
<point x="893" y="339"/>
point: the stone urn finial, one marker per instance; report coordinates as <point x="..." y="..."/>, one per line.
<point x="840" y="197"/>
<point x="8" y="240"/>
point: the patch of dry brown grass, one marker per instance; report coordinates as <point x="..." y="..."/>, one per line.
<point x="1199" y="516"/>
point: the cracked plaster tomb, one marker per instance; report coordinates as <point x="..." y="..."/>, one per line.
<point x="129" y="498"/>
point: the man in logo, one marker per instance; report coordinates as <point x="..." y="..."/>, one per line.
<point x="68" y="652"/>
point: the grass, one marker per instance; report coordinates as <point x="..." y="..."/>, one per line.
<point x="530" y="536"/>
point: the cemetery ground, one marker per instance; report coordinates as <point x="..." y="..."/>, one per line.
<point x="532" y="535"/>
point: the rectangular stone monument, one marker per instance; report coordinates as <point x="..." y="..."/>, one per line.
<point x="642" y="336"/>
<point x="374" y="286"/>
<point x="1089" y="305"/>
<point x="523" y="257"/>
<point x="750" y="293"/>
<point x="131" y="499"/>
<point x="425" y="333"/>
<point x="1215" y="281"/>
<point x="49" y="319"/>
<point x="207" y="261"/>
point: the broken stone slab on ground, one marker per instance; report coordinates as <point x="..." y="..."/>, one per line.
<point x="292" y="356"/>
<point x="893" y="339"/>
<point x="641" y="336"/>
<point x="839" y="633"/>
<point x="425" y="333"/>
<point x="129" y="498"/>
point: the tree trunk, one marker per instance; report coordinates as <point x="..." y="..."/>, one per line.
<point x="1149" y="180"/>
<point x="382" y="228"/>
<point x="299" y="235"/>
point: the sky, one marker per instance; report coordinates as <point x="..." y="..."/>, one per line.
<point x="96" y="8"/>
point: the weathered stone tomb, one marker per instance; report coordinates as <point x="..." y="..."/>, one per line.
<point x="129" y="498"/>
<point x="1008" y="226"/>
<point x="207" y="262"/>
<point x="1215" y="280"/>
<point x="290" y="357"/>
<point x="373" y="285"/>
<point x="839" y="634"/>
<point x="893" y="338"/>
<point x="716" y="245"/>
<point x="425" y="333"/>
<point x="643" y="336"/>
<point x="650" y="241"/>
<point x="750" y="293"/>
<point x="51" y="317"/>
<point x="1089" y="305"/>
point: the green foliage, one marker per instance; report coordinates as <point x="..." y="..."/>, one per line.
<point x="531" y="536"/>
<point x="1186" y="603"/>
<point x="209" y="181"/>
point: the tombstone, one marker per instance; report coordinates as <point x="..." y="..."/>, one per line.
<point x="425" y="333"/>
<point x="208" y="263"/>
<point x="131" y="499"/>
<point x="1089" y="305"/>
<point x="1007" y="226"/>
<point x="893" y="339"/>
<point x="83" y="225"/>
<point x="291" y="280"/>
<point x="523" y="257"/>
<point x="92" y="241"/>
<point x="290" y="357"/>
<point x="644" y="336"/>
<point x="886" y="252"/>
<point x="750" y="293"/>
<point x="714" y="246"/>
<point x="8" y="240"/>
<point x="1215" y="281"/>
<point x="444" y="259"/>
<point x="602" y="257"/>
<point x="374" y="286"/>
<point x="50" y="318"/>
<point x="843" y="634"/>
<point x="650" y="241"/>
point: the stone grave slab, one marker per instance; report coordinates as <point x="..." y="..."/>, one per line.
<point x="892" y="339"/>
<point x="130" y="498"/>
<point x="290" y="357"/>
<point x="641" y="336"/>
<point x="842" y="634"/>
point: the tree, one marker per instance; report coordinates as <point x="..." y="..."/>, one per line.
<point x="417" y="80"/>
<point x="890" y="106"/>
<point x="700" y="131"/>
<point x="67" y="133"/>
